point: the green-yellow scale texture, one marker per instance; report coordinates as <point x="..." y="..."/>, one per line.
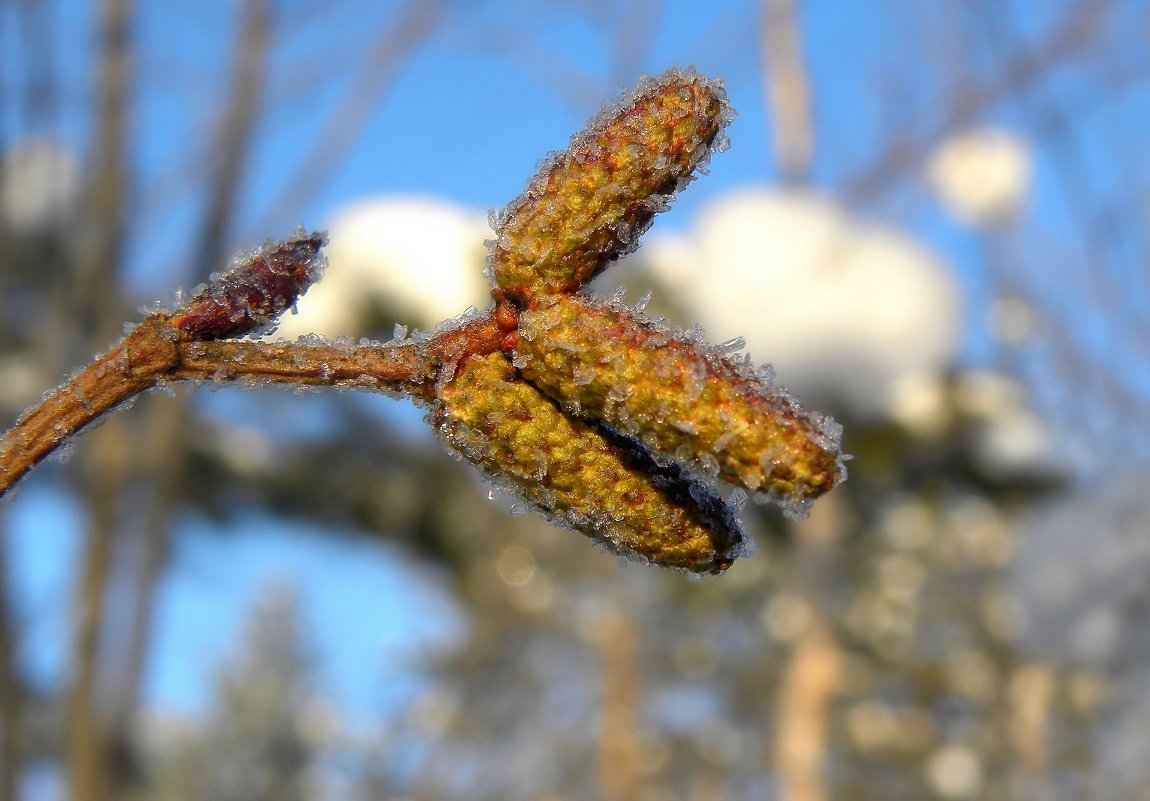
<point x="577" y="474"/>
<point x="591" y="203"/>
<point x="606" y="361"/>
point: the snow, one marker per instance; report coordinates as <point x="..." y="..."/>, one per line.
<point x="982" y="175"/>
<point x="418" y="257"/>
<point x="841" y="306"/>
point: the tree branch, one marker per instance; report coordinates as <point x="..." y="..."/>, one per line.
<point x="156" y="353"/>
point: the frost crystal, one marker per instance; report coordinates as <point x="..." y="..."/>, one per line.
<point x="732" y="346"/>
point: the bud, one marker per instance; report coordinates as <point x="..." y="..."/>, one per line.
<point x="582" y="475"/>
<point x="677" y="396"/>
<point x="260" y="287"/>
<point x="590" y="204"/>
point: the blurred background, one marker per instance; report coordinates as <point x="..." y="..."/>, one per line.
<point x="932" y="220"/>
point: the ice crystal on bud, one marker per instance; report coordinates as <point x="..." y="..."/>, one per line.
<point x="589" y="204"/>
<point x="732" y="346"/>
<point x="257" y="290"/>
<point x="582" y="475"/>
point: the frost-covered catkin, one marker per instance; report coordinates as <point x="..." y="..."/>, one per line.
<point x="260" y="286"/>
<point x="589" y="204"/>
<point x="677" y="396"/>
<point x="581" y="475"/>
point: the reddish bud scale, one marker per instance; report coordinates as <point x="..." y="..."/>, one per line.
<point x="581" y="475"/>
<point x="253" y="294"/>
<point x="609" y="362"/>
<point x="590" y="204"/>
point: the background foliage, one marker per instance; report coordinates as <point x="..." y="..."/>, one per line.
<point x="932" y="220"/>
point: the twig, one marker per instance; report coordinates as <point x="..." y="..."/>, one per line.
<point x="156" y="352"/>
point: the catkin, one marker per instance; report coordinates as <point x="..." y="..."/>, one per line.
<point x="609" y="362"/>
<point x="580" y="474"/>
<point x="589" y="204"/>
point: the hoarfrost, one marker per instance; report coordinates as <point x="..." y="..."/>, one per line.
<point x="619" y="393"/>
<point x="738" y="498"/>
<point x="582" y="376"/>
<point x="708" y="464"/>
<point x="827" y="433"/>
<point x="731" y="346"/>
<point x="723" y="441"/>
<point x="766" y="373"/>
<point x="797" y="509"/>
<point x="447" y="372"/>
<point x="695" y="380"/>
<point x="63" y="452"/>
<point x="80" y="396"/>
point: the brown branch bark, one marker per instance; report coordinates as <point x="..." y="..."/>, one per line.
<point x="11" y="689"/>
<point x="788" y="93"/>
<point x="88" y="742"/>
<point x="1031" y="693"/>
<point x="804" y="727"/>
<point x="619" y="748"/>
<point x="811" y="677"/>
<point x="100" y="240"/>
<point x="233" y="140"/>
<point x="155" y="353"/>
<point x="127" y="370"/>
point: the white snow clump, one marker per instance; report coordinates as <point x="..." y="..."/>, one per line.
<point x="843" y="308"/>
<point x="420" y="257"/>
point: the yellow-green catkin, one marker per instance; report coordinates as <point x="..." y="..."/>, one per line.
<point x="677" y="396"/>
<point x="589" y="204"/>
<point x="579" y="474"/>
